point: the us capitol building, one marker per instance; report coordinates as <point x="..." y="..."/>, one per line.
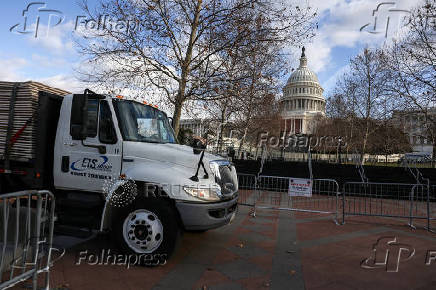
<point x="302" y="100"/>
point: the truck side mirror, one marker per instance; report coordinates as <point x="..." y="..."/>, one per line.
<point x="198" y="146"/>
<point x="171" y="121"/>
<point x="79" y="117"/>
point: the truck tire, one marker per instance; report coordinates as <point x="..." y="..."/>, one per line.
<point x="197" y="231"/>
<point x="4" y="188"/>
<point x="150" y="229"/>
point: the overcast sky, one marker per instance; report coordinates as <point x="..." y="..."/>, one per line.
<point x="51" y="58"/>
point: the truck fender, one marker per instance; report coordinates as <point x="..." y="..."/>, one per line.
<point x="158" y="172"/>
<point x="110" y="211"/>
<point x="106" y="217"/>
<point x="120" y="193"/>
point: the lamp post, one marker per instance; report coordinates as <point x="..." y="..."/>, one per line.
<point x="219" y="137"/>
<point x="339" y="150"/>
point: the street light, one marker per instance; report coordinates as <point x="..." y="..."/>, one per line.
<point x="339" y="149"/>
<point x="219" y="133"/>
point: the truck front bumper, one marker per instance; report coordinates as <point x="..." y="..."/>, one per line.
<point x="206" y="216"/>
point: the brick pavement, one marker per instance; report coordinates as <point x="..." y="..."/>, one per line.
<point x="275" y="250"/>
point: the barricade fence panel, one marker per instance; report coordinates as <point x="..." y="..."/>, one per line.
<point x="395" y="200"/>
<point x="272" y="192"/>
<point x="415" y="203"/>
<point x="432" y="208"/>
<point x="26" y="235"/>
<point x="247" y="187"/>
<point x="377" y="199"/>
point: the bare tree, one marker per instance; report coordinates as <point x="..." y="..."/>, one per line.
<point x="360" y="95"/>
<point x="258" y="92"/>
<point x="223" y="109"/>
<point x="388" y="139"/>
<point x="177" y="47"/>
<point x="412" y="61"/>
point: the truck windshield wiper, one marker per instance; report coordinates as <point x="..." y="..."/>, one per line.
<point x="152" y="141"/>
<point x="200" y="163"/>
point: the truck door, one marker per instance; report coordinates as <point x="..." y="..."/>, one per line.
<point x="96" y="160"/>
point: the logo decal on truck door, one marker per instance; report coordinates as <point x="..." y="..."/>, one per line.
<point x="100" y="164"/>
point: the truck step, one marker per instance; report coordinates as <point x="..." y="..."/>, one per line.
<point x="65" y="230"/>
<point x="78" y="219"/>
<point x="80" y="200"/>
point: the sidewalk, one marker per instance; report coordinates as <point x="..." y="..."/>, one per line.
<point x="275" y="250"/>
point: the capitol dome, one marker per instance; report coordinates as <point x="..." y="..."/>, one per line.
<point x="302" y="99"/>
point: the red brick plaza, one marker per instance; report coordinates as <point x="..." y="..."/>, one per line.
<point x="274" y="250"/>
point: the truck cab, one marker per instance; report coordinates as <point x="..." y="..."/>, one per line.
<point x="123" y="155"/>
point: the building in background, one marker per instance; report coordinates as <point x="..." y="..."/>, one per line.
<point x="212" y="128"/>
<point x="198" y="127"/>
<point x="302" y="100"/>
<point x="417" y="128"/>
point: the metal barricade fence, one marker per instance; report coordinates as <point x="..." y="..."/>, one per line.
<point x="247" y="187"/>
<point x="271" y="192"/>
<point x="432" y="208"/>
<point x="26" y="236"/>
<point x="395" y="200"/>
<point x="412" y="202"/>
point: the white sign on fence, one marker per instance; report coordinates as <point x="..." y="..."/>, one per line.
<point x="300" y="187"/>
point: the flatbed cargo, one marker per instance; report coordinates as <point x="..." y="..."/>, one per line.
<point x="20" y="118"/>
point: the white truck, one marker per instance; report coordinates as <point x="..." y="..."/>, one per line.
<point x="113" y="164"/>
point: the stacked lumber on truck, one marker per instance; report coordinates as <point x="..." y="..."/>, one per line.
<point x="24" y="118"/>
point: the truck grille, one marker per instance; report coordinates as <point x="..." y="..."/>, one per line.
<point x="228" y="180"/>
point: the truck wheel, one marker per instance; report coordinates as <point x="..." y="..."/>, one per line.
<point x="149" y="228"/>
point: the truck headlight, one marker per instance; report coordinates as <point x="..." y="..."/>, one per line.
<point x="205" y="193"/>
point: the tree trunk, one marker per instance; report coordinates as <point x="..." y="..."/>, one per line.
<point x="221" y="130"/>
<point x="186" y="69"/>
<point x="433" y="157"/>
<point x="242" y="143"/>
<point x="176" y="117"/>
<point x="365" y="139"/>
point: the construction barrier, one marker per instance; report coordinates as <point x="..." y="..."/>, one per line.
<point x="393" y="200"/>
<point x="415" y="201"/>
<point x="26" y="236"/>
<point x="274" y="192"/>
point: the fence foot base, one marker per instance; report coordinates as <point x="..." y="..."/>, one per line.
<point x="411" y="226"/>
<point x="430" y="230"/>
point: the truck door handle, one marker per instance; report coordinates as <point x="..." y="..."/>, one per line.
<point x="70" y="144"/>
<point x="101" y="148"/>
<point x="65" y="164"/>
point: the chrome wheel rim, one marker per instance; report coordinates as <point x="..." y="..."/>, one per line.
<point x="143" y="231"/>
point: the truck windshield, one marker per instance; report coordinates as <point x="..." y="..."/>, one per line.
<point x="142" y="123"/>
